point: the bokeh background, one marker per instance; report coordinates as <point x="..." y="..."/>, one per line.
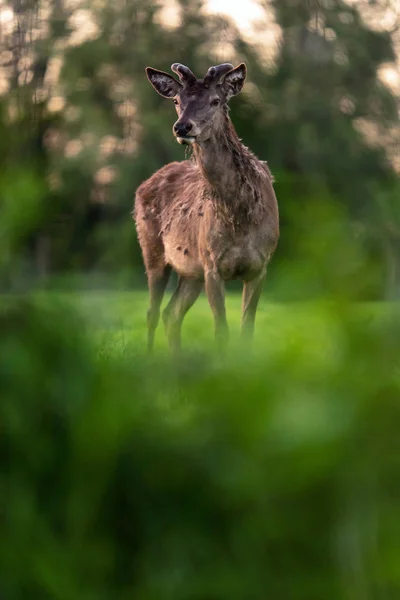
<point x="266" y="474"/>
<point x="81" y="126"/>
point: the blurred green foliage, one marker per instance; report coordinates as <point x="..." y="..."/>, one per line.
<point x="263" y="476"/>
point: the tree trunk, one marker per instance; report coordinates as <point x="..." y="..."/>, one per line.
<point x="42" y="256"/>
<point x="392" y="253"/>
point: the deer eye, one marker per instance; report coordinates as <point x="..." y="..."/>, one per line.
<point x="214" y="102"/>
<point x="176" y="102"/>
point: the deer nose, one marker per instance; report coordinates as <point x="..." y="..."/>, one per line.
<point x="182" y="129"/>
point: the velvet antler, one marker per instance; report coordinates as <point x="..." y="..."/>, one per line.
<point x="184" y="73"/>
<point x="214" y="74"/>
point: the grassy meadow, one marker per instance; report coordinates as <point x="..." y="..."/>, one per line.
<point x="116" y="321"/>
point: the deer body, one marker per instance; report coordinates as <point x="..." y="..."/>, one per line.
<point x="212" y="218"/>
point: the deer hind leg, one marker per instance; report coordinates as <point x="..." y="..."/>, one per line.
<point x="157" y="280"/>
<point x="182" y="300"/>
<point x="215" y="290"/>
<point x="251" y="295"/>
<point x="157" y="270"/>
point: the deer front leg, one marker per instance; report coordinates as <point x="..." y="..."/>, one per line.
<point x="251" y="295"/>
<point x="182" y="299"/>
<point x="215" y="290"/>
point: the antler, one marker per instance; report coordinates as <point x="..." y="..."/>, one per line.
<point x="214" y="74"/>
<point x="184" y="73"/>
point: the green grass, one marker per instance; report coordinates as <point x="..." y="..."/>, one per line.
<point x="118" y="320"/>
<point x="117" y="323"/>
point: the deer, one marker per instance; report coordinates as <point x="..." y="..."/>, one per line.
<point x="211" y="218"/>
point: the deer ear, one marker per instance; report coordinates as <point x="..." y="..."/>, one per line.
<point x="233" y="81"/>
<point x="163" y="83"/>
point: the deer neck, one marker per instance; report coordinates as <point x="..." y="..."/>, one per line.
<point x="219" y="159"/>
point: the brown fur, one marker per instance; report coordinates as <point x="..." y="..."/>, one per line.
<point x="212" y="218"/>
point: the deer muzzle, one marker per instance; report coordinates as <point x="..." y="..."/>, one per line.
<point x="186" y="140"/>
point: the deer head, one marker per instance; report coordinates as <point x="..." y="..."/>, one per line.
<point x="199" y="102"/>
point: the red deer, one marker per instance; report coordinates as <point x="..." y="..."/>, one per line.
<point x="212" y="218"/>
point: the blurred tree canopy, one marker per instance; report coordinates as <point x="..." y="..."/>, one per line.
<point x="82" y="128"/>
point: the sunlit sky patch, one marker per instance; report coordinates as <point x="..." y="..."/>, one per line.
<point x="243" y="12"/>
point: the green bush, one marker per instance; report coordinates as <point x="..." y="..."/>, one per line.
<point x="272" y="476"/>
